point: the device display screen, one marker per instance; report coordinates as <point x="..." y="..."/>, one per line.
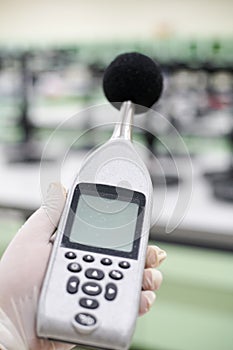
<point x="105" y="218"/>
<point x="105" y="223"/>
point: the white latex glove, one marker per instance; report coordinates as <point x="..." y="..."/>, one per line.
<point x="22" y="270"/>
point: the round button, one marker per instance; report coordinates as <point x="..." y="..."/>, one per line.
<point x="116" y="275"/>
<point x="106" y="261"/>
<point x="124" y="264"/>
<point x="88" y="258"/>
<point x="74" y="267"/>
<point x="70" y="255"/>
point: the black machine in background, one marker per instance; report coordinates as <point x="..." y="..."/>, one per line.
<point x="222" y="181"/>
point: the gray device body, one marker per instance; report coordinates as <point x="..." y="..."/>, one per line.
<point x="112" y="323"/>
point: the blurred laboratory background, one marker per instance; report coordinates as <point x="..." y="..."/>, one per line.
<point x="52" y="107"/>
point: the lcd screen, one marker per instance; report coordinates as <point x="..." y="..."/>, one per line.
<point x="105" y="223"/>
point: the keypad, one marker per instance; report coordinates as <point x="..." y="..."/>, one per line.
<point x="91" y="288"/>
<point x="89" y="303"/>
<point x="116" y="275"/>
<point x="70" y="255"/>
<point x="72" y="285"/>
<point x="74" y="267"/>
<point x="95" y="274"/>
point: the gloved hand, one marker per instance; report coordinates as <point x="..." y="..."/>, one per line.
<point x="22" y="270"/>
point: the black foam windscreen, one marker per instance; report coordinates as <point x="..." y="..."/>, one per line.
<point x="133" y="77"/>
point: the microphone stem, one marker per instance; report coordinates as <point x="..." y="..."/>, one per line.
<point x="123" y="129"/>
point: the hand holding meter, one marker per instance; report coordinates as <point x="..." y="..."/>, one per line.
<point x="94" y="277"/>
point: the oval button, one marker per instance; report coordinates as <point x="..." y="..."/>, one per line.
<point x="94" y="274"/>
<point x="72" y="285"/>
<point x="91" y="288"/>
<point x="124" y="264"/>
<point x="70" y="255"/>
<point x="88" y="258"/>
<point x="89" y="303"/>
<point x="85" y="319"/>
<point x="111" y="291"/>
<point x="106" y="261"/>
<point x="74" y="267"/>
<point x="116" y="275"/>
